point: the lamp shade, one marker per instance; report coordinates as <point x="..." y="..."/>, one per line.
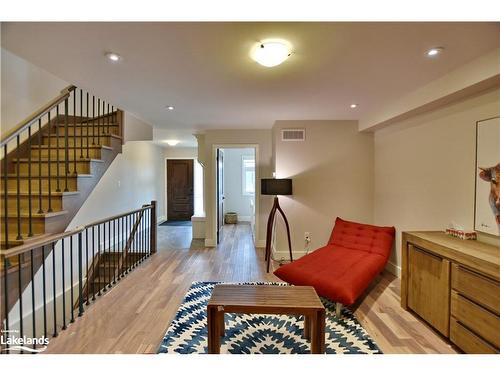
<point x="276" y="186"/>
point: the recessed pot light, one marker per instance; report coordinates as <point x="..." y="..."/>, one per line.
<point x="170" y="107"/>
<point x="271" y="53"/>
<point x="171" y="142"/>
<point x="114" y="57"/>
<point x="434" y="51"/>
<point x="353" y="105"/>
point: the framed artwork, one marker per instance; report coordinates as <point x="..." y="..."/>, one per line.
<point x="487" y="199"/>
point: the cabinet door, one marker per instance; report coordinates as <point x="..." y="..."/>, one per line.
<point x="429" y="288"/>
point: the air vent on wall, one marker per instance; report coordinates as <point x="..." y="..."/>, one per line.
<point x="294" y="135"/>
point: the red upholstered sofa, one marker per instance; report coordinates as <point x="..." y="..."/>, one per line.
<point x="342" y="269"/>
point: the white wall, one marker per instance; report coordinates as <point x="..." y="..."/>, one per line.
<point x="25" y="88"/>
<point x="425" y="168"/>
<point x="136" y="129"/>
<point x="235" y="200"/>
<point x="332" y="172"/>
<point x="135" y="177"/>
<point x="264" y="168"/>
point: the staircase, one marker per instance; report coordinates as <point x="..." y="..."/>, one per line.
<point x="52" y="161"/>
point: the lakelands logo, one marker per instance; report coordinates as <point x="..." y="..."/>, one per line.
<point x="12" y="342"/>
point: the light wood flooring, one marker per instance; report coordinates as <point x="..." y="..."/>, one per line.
<point x="134" y="315"/>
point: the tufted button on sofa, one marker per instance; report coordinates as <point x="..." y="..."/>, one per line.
<point x="344" y="268"/>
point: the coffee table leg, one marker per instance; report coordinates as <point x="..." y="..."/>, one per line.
<point x="220" y="321"/>
<point x="318" y="332"/>
<point x="307" y="327"/>
<point x="213" y="332"/>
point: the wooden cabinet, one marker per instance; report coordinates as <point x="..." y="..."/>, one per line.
<point x="454" y="286"/>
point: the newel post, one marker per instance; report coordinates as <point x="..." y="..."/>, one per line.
<point x="153" y="222"/>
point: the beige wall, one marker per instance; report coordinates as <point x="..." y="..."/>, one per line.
<point x="264" y="168"/>
<point x="136" y="129"/>
<point x="332" y="172"/>
<point x="425" y="168"/>
<point x="25" y="88"/>
<point x="180" y="152"/>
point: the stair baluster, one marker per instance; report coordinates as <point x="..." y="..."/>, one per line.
<point x="66" y="153"/>
<point x="54" y="295"/>
<point x="72" y="293"/>
<point x="33" y="308"/>
<point x="63" y="279"/>
<point x="57" y="146"/>
<point x="81" y="124"/>
<point x="87" y="258"/>
<point x="20" y="296"/>
<point x="5" y="197"/>
<point x="74" y="132"/>
<point x="44" y="289"/>
<point x="87" y="126"/>
<point x="6" y="326"/>
<point x="18" y="195"/>
<point x="30" y="209"/>
<point x="93" y="120"/>
<point x="93" y="261"/>
<point x="98" y="121"/>
<point x="80" y="276"/>
<point x="50" y="162"/>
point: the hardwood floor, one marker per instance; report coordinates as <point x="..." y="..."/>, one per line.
<point x="133" y="316"/>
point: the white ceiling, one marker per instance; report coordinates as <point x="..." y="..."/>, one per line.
<point x="205" y="71"/>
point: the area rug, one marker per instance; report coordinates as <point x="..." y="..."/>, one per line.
<point x="265" y="334"/>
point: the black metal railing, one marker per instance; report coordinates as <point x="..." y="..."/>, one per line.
<point x="42" y="154"/>
<point x="47" y="283"/>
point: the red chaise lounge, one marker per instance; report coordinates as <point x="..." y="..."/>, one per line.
<point x="343" y="269"/>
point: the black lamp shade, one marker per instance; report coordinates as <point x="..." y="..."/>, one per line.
<point x="276" y="186"/>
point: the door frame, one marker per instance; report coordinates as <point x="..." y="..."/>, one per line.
<point x="215" y="192"/>
<point x="195" y="160"/>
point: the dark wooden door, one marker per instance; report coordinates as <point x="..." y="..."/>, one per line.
<point x="180" y="199"/>
<point x="220" y="192"/>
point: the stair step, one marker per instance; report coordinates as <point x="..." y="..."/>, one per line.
<point x="35" y="215"/>
<point x="24" y="193"/>
<point x="46" y="160"/>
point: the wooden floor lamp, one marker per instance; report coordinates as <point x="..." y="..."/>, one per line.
<point x="276" y="186"/>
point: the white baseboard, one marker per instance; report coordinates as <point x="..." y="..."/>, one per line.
<point x="393" y="268"/>
<point x="260" y="243"/>
<point x="286" y="255"/>
<point x="209" y="242"/>
<point x="162" y="219"/>
<point x="244" y="218"/>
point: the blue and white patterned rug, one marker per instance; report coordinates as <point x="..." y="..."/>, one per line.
<point x="266" y="334"/>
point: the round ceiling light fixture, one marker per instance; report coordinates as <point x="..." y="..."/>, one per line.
<point x="271" y="52"/>
<point x="171" y="142"/>
<point x="353" y="105"/>
<point x="170" y="107"/>
<point x="113" y="57"/>
<point x="434" y="51"/>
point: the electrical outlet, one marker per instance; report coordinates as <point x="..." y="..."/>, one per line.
<point x="307" y="237"/>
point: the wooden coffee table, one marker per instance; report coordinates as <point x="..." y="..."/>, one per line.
<point x="266" y="299"/>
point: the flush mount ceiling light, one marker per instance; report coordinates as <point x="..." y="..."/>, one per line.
<point x="114" y="57"/>
<point x="353" y="105"/>
<point x="434" y="51"/>
<point x="170" y="107"/>
<point x="171" y="142"/>
<point x="271" y="53"/>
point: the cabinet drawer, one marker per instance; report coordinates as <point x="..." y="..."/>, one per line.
<point x="478" y="288"/>
<point x="477" y="319"/>
<point x="468" y="341"/>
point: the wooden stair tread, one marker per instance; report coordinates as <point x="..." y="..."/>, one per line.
<point x="55" y="135"/>
<point x="53" y="175"/>
<point x="36" y="215"/>
<point x="72" y="147"/>
<point x="52" y="160"/>
<point x="44" y="193"/>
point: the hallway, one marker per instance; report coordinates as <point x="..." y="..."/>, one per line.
<point x="134" y="315"/>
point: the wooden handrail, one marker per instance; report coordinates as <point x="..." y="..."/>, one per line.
<point x="36" y="115"/>
<point x="45" y="240"/>
<point x="117" y="216"/>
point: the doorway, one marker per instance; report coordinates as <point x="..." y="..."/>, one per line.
<point x="180" y="197"/>
<point x="235" y="186"/>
